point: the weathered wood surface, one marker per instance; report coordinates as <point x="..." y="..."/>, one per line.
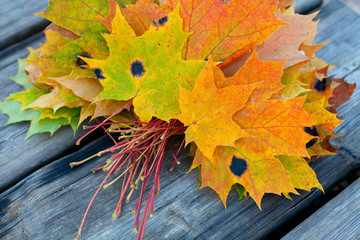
<point x="17" y="21"/>
<point x="305" y="6"/>
<point x="353" y="4"/>
<point x="339" y="219"/>
<point x="49" y="203"/>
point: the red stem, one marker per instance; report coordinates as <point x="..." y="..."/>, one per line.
<point x="118" y="111"/>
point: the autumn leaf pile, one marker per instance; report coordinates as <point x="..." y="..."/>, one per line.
<point x="240" y="79"/>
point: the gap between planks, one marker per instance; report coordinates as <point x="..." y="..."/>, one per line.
<point x="18" y="22"/>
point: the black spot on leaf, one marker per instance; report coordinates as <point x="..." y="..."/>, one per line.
<point x="137" y="68"/>
<point x="320" y="85"/>
<point x="99" y="73"/>
<point x="312" y="131"/>
<point x="311" y="143"/>
<point x="238" y="166"/>
<point x="163" y="20"/>
<point x="81" y="63"/>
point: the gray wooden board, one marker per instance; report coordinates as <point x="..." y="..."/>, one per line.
<point x="305" y="6"/>
<point x="49" y="203"/>
<point x="18" y="158"/>
<point x="17" y="21"/>
<point x="338" y="219"/>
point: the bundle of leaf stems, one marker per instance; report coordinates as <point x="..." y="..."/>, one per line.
<point x="140" y="152"/>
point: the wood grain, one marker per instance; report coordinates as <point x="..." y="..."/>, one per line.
<point x="353" y="4"/>
<point x="306" y="6"/>
<point x="18" y="22"/>
<point x="338" y="219"/>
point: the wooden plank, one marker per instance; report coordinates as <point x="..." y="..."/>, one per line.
<point x="17" y="21"/>
<point x="353" y="4"/>
<point x="306" y="6"/>
<point x="338" y="219"/>
<point x="50" y="202"/>
<point x="19" y="158"/>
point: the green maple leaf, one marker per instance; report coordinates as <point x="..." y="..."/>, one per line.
<point x="147" y="69"/>
<point x="46" y="125"/>
<point x="90" y="44"/>
<point x="12" y="108"/>
<point x="82" y="18"/>
<point x="78" y="16"/>
<point x="240" y="190"/>
<point x="51" y="121"/>
<point x="20" y="77"/>
<point x="42" y="119"/>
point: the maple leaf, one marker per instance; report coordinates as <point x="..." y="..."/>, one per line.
<point x="55" y="40"/>
<point x="139" y="16"/>
<point x="321" y="147"/>
<point x="284" y="43"/>
<point x="12" y="108"/>
<point x="107" y="107"/>
<point x="276" y="122"/>
<point x="43" y="69"/>
<point x="147" y="69"/>
<point x="327" y="120"/>
<point x="83" y="87"/>
<point x="302" y="175"/>
<point x="57" y="98"/>
<point x="42" y="119"/>
<point x="91" y="45"/>
<point x="28" y="96"/>
<point x="20" y="77"/>
<point x="78" y="16"/>
<point x="225" y="30"/>
<point x="310" y="50"/>
<point x="290" y="78"/>
<point x="342" y="92"/>
<point x="46" y="125"/>
<point x="87" y="110"/>
<point x="240" y="190"/>
<point x="33" y="73"/>
<point x="256" y="71"/>
<point x="51" y="121"/>
<point x="207" y="111"/>
<point x="251" y="163"/>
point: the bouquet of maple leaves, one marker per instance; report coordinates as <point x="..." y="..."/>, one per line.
<point x="239" y="80"/>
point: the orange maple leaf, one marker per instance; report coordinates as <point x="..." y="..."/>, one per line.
<point x="279" y="124"/>
<point x="139" y="15"/>
<point x="256" y="71"/>
<point x="284" y="43"/>
<point x="225" y="31"/>
<point x="207" y="111"/>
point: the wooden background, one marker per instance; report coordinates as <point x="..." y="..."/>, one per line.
<point x="41" y="197"/>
